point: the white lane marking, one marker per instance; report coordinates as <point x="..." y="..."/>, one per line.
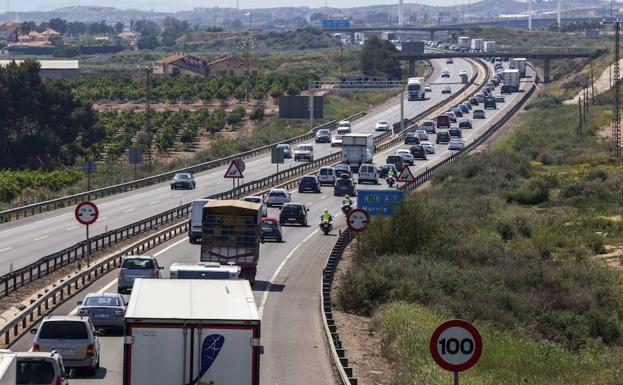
<point x="30" y="224"/>
<point x="71" y="228"/>
<point x="260" y="310"/>
<point x="40" y="238"/>
<point x="6" y="249"/>
<point x="154" y="202"/>
<point x="221" y="182"/>
<point x="102" y="218"/>
<point x="177" y="195"/>
<point x="114" y="281"/>
<point x="128" y="210"/>
<point x="323" y="196"/>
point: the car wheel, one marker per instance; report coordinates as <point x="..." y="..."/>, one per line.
<point x="279" y="240"/>
<point x="91" y="372"/>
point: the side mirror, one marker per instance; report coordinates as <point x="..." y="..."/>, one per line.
<point x="100" y="332"/>
<point x="33" y="331"/>
<point x="79" y="303"/>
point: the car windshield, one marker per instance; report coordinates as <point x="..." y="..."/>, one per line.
<point x="343" y="182"/>
<point x="291" y="209"/>
<point x="101" y="301"/>
<point x="323" y="132"/>
<point x="137" y="263"/>
<point x="65" y="330"/>
<point x="269" y="223"/>
<point x="308" y="179"/>
<point x="35" y="372"/>
<point x="182" y="176"/>
<point x="286" y="146"/>
<point x="253" y="199"/>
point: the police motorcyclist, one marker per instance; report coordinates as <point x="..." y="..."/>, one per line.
<point x="390" y="172"/>
<point x="347" y="201"/>
<point x="326" y="216"/>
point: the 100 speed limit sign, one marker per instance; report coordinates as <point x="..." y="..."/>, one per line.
<point x="456" y="345"/>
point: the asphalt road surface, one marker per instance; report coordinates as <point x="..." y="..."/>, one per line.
<point x="287" y="287"/>
<point x="27" y="240"/>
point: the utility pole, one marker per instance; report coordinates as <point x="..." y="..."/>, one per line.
<point x="578" y="132"/>
<point x="341" y="57"/>
<point x="616" y="116"/>
<point x="558" y="13"/>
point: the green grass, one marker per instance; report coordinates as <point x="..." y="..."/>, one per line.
<point x="508" y="358"/>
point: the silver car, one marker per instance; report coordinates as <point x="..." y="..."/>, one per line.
<point x="40" y="368"/>
<point x="422" y="134"/>
<point x="277" y="197"/>
<point x="136" y="266"/>
<point x="429" y="147"/>
<point x="260" y="200"/>
<point x="73" y="337"/>
<point x="106" y="310"/>
<point x="456" y="144"/>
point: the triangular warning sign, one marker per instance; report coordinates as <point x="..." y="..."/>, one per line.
<point x="406" y="176"/>
<point x="233" y="171"/>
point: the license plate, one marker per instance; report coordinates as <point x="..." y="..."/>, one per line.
<point x="103" y="315"/>
<point x="65" y="351"/>
<point x="291" y="219"/>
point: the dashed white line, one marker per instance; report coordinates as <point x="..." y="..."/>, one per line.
<point x="103" y="218"/>
<point x="5" y="249"/>
<point x="40" y="238"/>
<point x="154" y="202"/>
<point x="177" y="195"/>
<point x="128" y="210"/>
<point x="71" y="228"/>
<point x="260" y="310"/>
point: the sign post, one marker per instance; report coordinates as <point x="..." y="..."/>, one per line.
<point x="86" y="214"/>
<point x="234" y="172"/>
<point x="357" y="221"/>
<point x="456" y="346"/>
<point x="379" y="202"/>
<point x="89" y="168"/>
<point x="135" y="156"/>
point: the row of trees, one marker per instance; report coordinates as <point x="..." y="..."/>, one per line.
<point x="188" y="89"/>
<point x="125" y="128"/>
<point x="42" y="125"/>
<point x="72" y="27"/>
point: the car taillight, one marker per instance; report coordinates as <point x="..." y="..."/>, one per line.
<point x="35" y="347"/>
<point x="154" y="273"/>
<point x="59" y="380"/>
<point x="90" y="350"/>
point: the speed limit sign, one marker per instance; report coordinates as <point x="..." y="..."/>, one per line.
<point x="456" y="345"/>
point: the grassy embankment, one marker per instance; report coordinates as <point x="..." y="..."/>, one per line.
<point x="524" y="240"/>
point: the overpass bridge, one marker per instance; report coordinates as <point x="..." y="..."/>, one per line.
<point x="547" y="57"/>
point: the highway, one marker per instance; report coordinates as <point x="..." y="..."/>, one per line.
<point x="287" y="288"/>
<point x="26" y="240"/>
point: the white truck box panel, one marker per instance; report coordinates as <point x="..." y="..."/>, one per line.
<point x="8" y="371"/>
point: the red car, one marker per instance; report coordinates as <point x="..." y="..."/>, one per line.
<point x="270" y="229"/>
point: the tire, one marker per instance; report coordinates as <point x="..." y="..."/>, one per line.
<point x="279" y="240"/>
<point x="91" y="372"/>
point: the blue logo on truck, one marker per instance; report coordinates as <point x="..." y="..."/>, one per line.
<point x="210" y="349"/>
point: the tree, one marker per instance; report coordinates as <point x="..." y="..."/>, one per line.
<point x="216" y="121"/>
<point x="276" y="89"/>
<point x="257" y="113"/>
<point x="147" y="42"/>
<point x="27" y="27"/>
<point x="380" y="58"/>
<point x="56" y="132"/>
<point x="236" y="115"/>
<point x="119" y="28"/>
<point x="59" y="25"/>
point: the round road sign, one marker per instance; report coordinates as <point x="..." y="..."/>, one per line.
<point x="456" y="345"/>
<point x="87" y="213"/>
<point x="357" y="220"/>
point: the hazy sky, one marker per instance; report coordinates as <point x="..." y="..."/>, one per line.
<point x="168" y="5"/>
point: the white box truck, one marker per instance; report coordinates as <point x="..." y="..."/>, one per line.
<point x="357" y="149"/>
<point x="195" y="221"/>
<point x="8" y="368"/>
<point x="478" y="44"/>
<point x="415" y="89"/>
<point x="510" y="80"/>
<point x="489" y="46"/>
<point x="463" y="42"/>
<point x="519" y="63"/>
<point x="189" y="331"/>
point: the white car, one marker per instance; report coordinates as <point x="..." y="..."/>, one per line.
<point x="277" y="197"/>
<point x="407" y="157"/>
<point x="381" y="125"/>
<point x="428" y="88"/>
<point x="337" y="141"/>
<point x="446" y="90"/>
<point x="463" y="72"/>
<point x="422" y="134"/>
<point x="456" y="144"/>
<point x="429" y="147"/>
<point x="499" y="99"/>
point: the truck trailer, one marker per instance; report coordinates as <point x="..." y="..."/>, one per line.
<point x="189" y="331"/>
<point x="8" y="368"/>
<point x="489" y="46"/>
<point x="510" y="78"/>
<point x="357" y="149"/>
<point x="231" y="235"/>
<point x="478" y="45"/>
<point x="464" y="42"/>
<point x="415" y="89"/>
<point x="519" y="63"/>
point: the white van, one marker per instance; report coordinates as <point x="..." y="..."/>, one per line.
<point x="195" y="225"/>
<point x="203" y="270"/>
<point x="326" y="176"/>
<point x="343" y="127"/>
<point x="368" y="174"/>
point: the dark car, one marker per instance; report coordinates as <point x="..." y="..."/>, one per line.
<point x="443" y="121"/>
<point x="506" y="89"/>
<point x="323" y="136"/>
<point x="455" y="133"/>
<point x="342" y="169"/>
<point x="457" y="112"/>
<point x="344" y="186"/>
<point x="270" y="229"/>
<point x="396" y="160"/>
<point x="287" y="150"/>
<point x="412" y="138"/>
<point x="464" y="109"/>
<point x="473" y="101"/>
<point x="443" y="137"/>
<point x="293" y="213"/>
<point x="465" y="123"/>
<point x="183" y="180"/>
<point x="309" y="183"/>
<point x="385" y="168"/>
<point x="418" y="151"/>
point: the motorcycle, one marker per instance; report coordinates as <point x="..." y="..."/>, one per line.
<point x="390" y="181"/>
<point x="326" y="227"/>
<point x="346" y="208"/>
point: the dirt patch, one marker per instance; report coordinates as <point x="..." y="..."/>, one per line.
<point x="602" y="84"/>
<point x="613" y="257"/>
<point x="361" y="339"/>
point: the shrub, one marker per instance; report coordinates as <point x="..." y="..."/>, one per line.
<point x="534" y="192"/>
<point x="236" y="115"/>
<point x="257" y="113"/>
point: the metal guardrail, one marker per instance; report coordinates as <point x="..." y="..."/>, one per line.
<point x="53" y="204"/>
<point x="337" y="350"/>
